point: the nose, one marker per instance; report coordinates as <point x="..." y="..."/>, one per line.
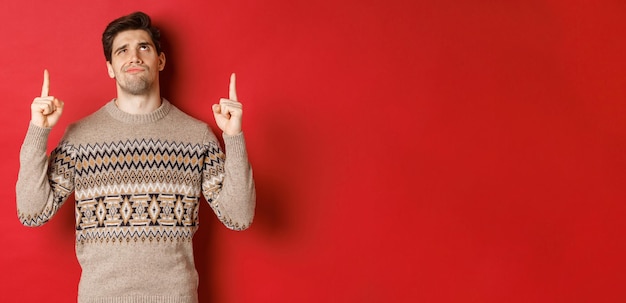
<point x="135" y="56"/>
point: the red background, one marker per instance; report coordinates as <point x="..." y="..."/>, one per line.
<point x="404" y="151"/>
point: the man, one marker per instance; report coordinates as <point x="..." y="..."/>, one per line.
<point x="137" y="167"/>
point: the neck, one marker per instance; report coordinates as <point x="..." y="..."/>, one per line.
<point x="138" y="104"/>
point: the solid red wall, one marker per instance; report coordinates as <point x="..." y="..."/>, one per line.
<point x="404" y="151"/>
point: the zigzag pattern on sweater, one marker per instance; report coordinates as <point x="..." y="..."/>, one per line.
<point x="134" y="234"/>
<point x="145" y="154"/>
<point x="151" y="184"/>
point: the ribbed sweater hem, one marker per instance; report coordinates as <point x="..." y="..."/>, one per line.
<point x="235" y="146"/>
<point x="141" y="299"/>
<point x="37" y="137"/>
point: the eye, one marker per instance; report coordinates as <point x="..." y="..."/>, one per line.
<point x="144" y="47"/>
<point x="121" y="51"/>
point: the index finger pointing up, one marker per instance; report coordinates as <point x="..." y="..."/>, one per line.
<point x="45" y="88"/>
<point x="232" y="90"/>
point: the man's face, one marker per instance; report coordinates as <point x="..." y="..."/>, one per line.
<point x="135" y="64"/>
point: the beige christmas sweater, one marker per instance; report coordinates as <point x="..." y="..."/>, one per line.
<point x="137" y="181"/>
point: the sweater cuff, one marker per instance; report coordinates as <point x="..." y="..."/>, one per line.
<point x="235" y="146"/>
<point x="37" y="137"/>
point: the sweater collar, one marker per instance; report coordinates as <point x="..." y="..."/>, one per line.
<point x="125" y="117"/>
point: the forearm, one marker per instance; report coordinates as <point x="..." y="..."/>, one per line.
<point x="35" y="197"/>
<point x="238" y="193"/>
<point x="235" y="202"/>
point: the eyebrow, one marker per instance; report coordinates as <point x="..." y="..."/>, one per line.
<point x="126" y="45"/>
<point x="119" y="48"/>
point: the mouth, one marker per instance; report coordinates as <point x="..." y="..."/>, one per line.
<point x="134" y="70"/>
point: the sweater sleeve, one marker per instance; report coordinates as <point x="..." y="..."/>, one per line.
<point x="227" y="183"/>
<point x="44" y="183"/>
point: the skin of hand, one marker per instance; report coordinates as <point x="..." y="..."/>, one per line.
<point x="46" y="110"/>
<point x="229" y="111"/>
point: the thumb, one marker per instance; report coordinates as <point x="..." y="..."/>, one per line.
<point x="216" y="109"/>
<point x="58" y="104"/>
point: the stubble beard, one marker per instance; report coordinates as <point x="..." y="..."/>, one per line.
<point x="135" y="85"/>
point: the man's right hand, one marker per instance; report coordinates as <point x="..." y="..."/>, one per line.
<point x="46" y="110"/>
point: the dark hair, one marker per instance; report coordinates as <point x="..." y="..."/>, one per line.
<point x="136" y="20"/>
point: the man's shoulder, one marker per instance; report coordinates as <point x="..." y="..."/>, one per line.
<point x="92" y="120"/>
<point x="180" y="116"/>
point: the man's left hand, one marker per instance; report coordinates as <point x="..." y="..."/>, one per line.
<point x="229" y="111"/>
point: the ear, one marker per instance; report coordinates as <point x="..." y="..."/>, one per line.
<point x="110" y="70"/>
<point x="161" y="61"/>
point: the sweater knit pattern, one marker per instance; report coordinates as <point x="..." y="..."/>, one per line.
<point x="137" y="181"/>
